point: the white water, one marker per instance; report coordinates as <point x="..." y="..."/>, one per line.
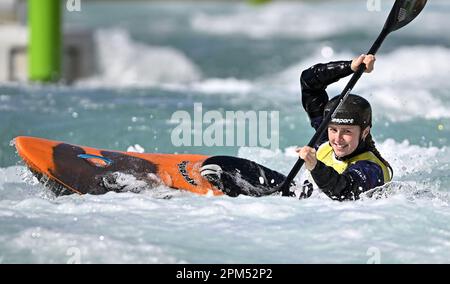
<point x="151" y="66"/>
<point x="168" y="226"/>
<point x="131" y="64"/>
<point x="282" y="20"/>
<point x="124" y="62"/>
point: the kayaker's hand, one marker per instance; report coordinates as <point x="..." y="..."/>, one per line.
<point x="369" y="60"/>
<point x="308" y="154"/>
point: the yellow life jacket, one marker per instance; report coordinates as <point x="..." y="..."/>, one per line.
<point x="326" y="155"/>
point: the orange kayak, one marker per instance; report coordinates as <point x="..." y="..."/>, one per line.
<point x="78" y="169"/>
<point x="68" y="169"/>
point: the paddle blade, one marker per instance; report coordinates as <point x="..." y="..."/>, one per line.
<point x="403" y="12"/>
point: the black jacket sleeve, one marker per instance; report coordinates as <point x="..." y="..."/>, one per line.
<point x="358" y="178"/>
<point x="314" y="81"/>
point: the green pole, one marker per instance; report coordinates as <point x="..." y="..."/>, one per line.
<point x="44" y="48"/>
<point x="258" y="2"/>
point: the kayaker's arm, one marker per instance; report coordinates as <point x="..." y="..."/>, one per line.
<point x="358" y="178"/>
<point x="314" y="81"/>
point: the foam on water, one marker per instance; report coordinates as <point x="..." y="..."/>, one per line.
<point x="289" y="78"/>
<point x="412" y="164"/>
<point x="402" y="86"/>
<point x="148" y="227"/>
<point x="125" y="62"/>
<point x="414" y="66"/>
<point x="56" y="246"/>
<point x="312" y="20"/>
<point x="298" y="20"/>
<point x="223" y="86"/>
<point x="400" y="92"/>
<point x="233" y="56"/>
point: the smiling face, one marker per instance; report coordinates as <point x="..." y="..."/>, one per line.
<point x="344" y="139"/>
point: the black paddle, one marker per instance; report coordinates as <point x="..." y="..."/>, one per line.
<point x="403" y="12"/>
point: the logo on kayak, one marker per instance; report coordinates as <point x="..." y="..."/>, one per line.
<point x="183" y="171"/>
